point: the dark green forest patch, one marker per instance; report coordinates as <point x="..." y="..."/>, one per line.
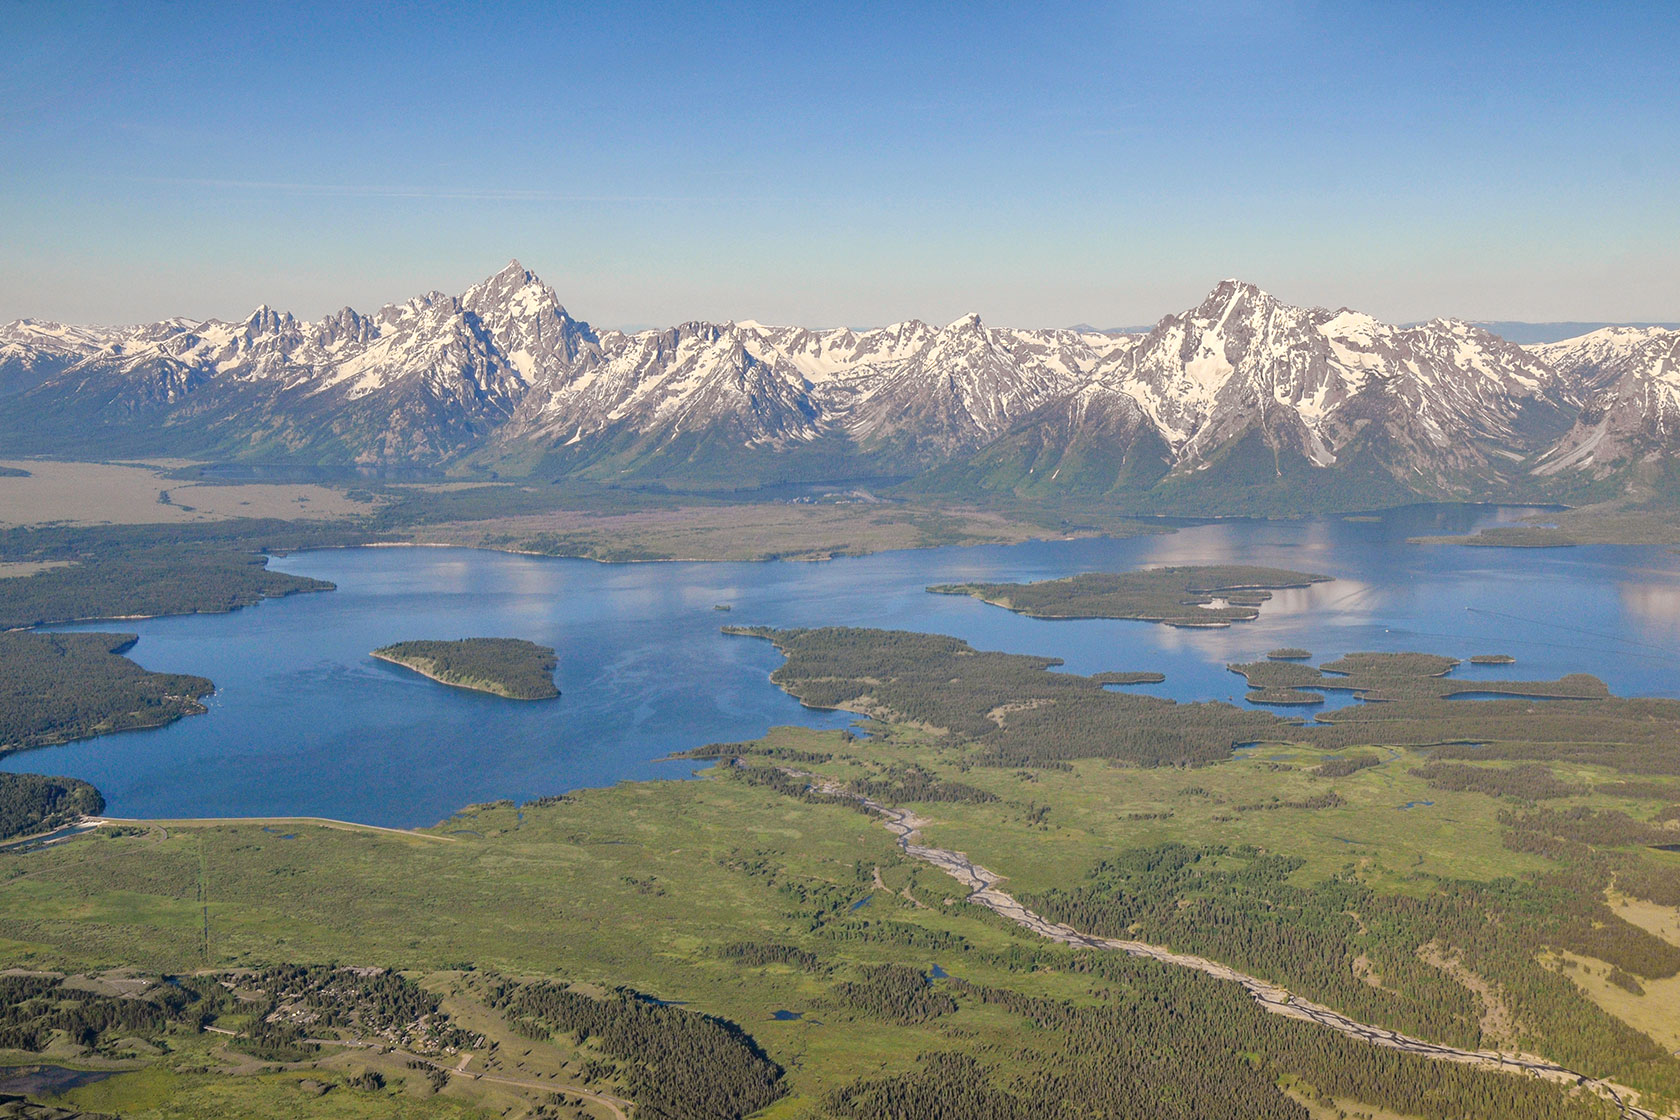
<point x="145" y="585"/>
<point x="58" y="687"/>
<point x="1397" y="676"/>
<point x="510" y="667"/>
<point x="1204" y="596"/>
<point x="37" y="803"/>
<point x="1014" y="711"/>
<point x="676" y="1064"/>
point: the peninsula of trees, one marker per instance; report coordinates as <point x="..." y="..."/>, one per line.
<point x="510" y="667"/>
<point x="58" y="687"/>
<point x="37" y="803"/>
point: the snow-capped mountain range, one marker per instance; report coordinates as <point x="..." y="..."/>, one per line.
<point x="503" y="376"/>
<point x="1634" y="411"/>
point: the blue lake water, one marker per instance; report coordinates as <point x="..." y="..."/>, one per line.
<point x="304" y="722"/>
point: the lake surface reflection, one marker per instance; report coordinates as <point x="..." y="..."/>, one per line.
<point x="304" y="722"/>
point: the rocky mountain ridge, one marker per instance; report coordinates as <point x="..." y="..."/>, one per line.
<point x="1242" y="386"/>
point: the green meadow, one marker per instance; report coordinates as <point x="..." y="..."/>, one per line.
<point x="1519" y="898"/>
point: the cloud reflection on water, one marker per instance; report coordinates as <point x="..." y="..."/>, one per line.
<point x="1656" y="609"/>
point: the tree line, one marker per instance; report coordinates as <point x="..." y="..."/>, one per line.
<point x="38" y="803"/>
<point x="675" y="1064"/>
<point x="58" y="687"/>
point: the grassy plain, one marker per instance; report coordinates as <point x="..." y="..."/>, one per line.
<point x="165" y="1093"/>
<point x="592" y="522"/>
<point x="1097" y="808"/>
<point x="1652" y="1009"/>
<point x="757" y="531"/>
<point x="67" y="493"/>
<point x="14" y="568"/>
<point x="643" y="884"/>
<point x="625" y="886"/>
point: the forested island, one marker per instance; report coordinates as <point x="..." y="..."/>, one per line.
<point x="1194" y="596"/>
<point x="510" y="667"/>
<point x="58" y="687"/>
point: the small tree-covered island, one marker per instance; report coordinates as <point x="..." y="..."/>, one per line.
<point x="509" y="667"/>
<point x="1199" y="596"/>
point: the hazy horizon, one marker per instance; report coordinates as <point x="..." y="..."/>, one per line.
<point x="1516" y="330"/>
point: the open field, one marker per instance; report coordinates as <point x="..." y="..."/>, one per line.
<point x="593" y="523"/>
<point x="64" y="493"/>
<point x="13" y="568"/>
<point x="689" y="868"/>
<point x="759" y="531"/>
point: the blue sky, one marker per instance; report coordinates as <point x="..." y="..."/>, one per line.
<point x="1041" y="164"/>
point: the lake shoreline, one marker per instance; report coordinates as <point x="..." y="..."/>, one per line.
<point x="320" y="728"/>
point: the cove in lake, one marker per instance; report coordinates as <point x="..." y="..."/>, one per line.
<point x="304" y="722"/>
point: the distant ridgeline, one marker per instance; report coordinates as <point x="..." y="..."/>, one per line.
<point x="510" y="667"/>
<point x="1203" y="596"/>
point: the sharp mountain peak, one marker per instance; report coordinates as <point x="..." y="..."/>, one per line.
<point x="503" y="373"/>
